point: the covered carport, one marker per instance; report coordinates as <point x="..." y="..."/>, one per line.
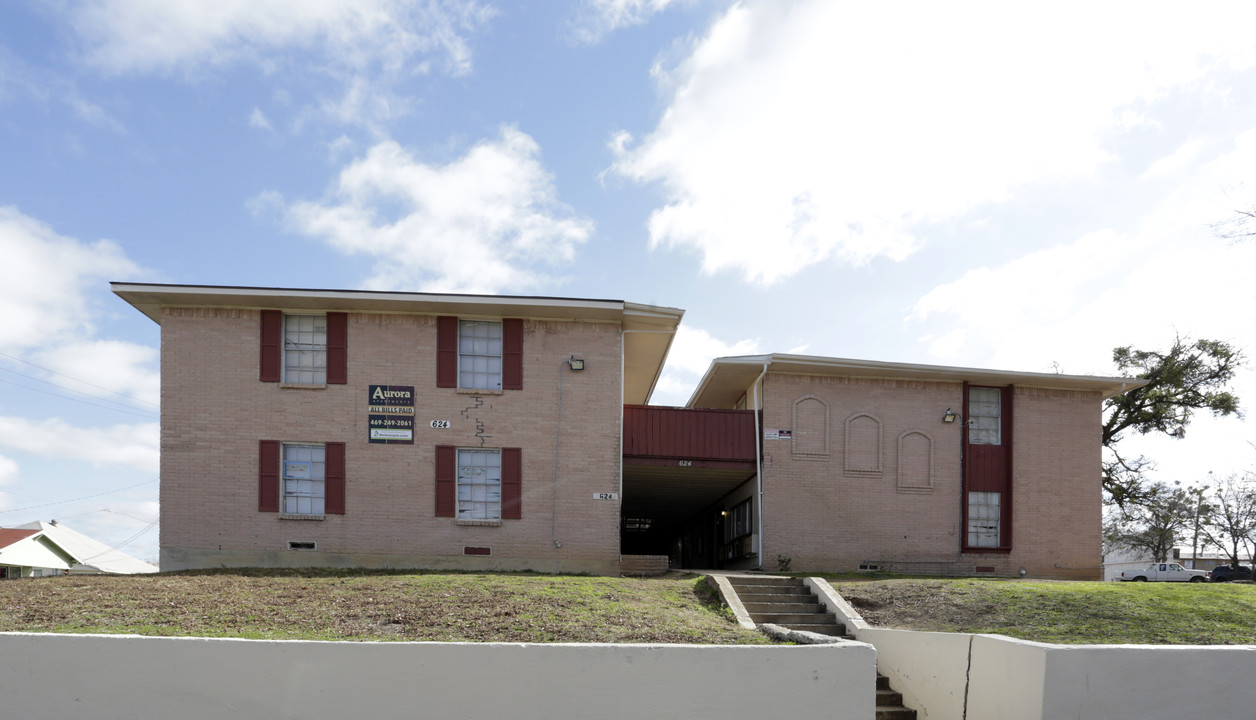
<point x="680" y="464"/>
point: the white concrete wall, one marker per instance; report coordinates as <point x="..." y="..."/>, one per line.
<point x="957" y="676"/>
<point x="960" y="676"/>
<point x="929" y="669"/>
<point x="106" y="677"/>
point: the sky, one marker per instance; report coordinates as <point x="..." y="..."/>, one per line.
<point x="997" y="185"/>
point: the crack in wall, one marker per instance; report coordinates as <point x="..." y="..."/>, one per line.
<point x="479" y="423"/>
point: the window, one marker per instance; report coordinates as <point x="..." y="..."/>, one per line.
<point x="479" y="484"/>
<point x="738" y="531"/>
<point x="983" y="519"/>
<point x="984" y="416"/>
<point x="479" y="355"/>
<point x="301" y="479"/>
<point x="304" y="473"/>
<point x="305" y="349"/>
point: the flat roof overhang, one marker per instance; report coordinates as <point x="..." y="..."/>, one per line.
<point x="648" y="330"/>
<point x="728" y="378"/>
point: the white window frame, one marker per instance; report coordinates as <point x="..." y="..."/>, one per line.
<point x="305" y="349"/>
<point x="303" y="491"/>
<point x="985" y="416"/>
<point x="479" y="484"/>
<point x="480" y="345"/>
<point x="984" y="519"/>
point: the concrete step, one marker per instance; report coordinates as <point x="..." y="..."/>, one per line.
<point x="802" y="606"/>
<point x="890" y="703"/>
<point x="752" y="591"/>
<point x="736" y="580"/>
<point x="833" y="630"/>
<point x="787" y="619"/>
<point x="889" y="698"/>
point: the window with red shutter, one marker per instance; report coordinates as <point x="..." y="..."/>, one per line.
<point x="270" y="365"/>
<point x="512" y="354"/>
<point x="512" y="483"/>
<point x="337" y="348"/>
<point x="446" y="478"/>
<point x="268" y="476"/>
<point x="446" y="352"/>
<point x="335" y="478"/>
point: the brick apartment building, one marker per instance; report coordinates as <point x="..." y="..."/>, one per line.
<point x="410" y="430"/>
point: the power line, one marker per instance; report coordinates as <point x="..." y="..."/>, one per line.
<point x="78" y="380"/>
<point x="141" y="413"/>
<point x="85" y="497"/>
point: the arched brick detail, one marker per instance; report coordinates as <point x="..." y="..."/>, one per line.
<point x="863" y="444"/>
<point x="811" y="428"/>
<point x="915" y="462"/>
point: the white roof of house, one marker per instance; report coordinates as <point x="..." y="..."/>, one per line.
<point x="89" y="555"/>
<point x="28" y="548"/>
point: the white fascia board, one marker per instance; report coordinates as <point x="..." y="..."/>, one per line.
<point x="150" y="298"/>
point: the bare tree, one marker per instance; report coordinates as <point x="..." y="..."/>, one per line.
<point x="1162" y="515"/>
<point x="1231" y="525"/>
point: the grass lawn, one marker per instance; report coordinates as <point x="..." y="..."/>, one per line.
<point x="317" y="605"/>
<point x="1062" y="612"/>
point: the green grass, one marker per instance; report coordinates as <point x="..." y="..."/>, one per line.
<point x="334" y="605"/>
<point x="1063" y="612"/>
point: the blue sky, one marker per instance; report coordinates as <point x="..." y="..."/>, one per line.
<point x="975" y="184"/>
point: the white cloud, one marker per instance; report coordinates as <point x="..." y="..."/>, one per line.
<point x="487" y="222"/>
<point x="50" y="289"/>
<point x="258" y="119"/>
<point x="141" y="36"/>
<point x="1071" y="304"/>
<point x="597" y="18"/>
<point x="113" y="366"/>
<point x="350" y="53"/>
<point x="691" y="354"/>
<point x="812" y="131"/>
<point x="9" y="470"/>
<point x="131" y="446"/>
<point x="42" y="282"/>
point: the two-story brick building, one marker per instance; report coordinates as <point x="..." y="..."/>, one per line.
<point x="414" y="430"/>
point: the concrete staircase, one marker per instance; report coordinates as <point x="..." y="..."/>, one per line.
<point x="788" y="602"/>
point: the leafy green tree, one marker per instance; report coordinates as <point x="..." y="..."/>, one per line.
<point x="1188" y="377"/>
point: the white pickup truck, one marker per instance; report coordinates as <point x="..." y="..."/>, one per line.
<point x="1164" y="572"/>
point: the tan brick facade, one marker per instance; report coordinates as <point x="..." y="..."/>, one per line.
<point x="215" y="412"/>
<point x="872" y="475"/>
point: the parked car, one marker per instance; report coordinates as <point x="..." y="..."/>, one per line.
<point x="1164" y="572"/>
<point x="1224" y="573"/>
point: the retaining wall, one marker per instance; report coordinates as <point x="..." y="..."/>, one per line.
<point x="106" y="677"/>
<point x="958" y="676"/>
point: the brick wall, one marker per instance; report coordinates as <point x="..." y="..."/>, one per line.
<point x="215" y="411"/>
<point x="880" y="480"/>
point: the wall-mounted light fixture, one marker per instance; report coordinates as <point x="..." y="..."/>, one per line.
<point x="949" y="417"/>
<point x="577" y="364"/>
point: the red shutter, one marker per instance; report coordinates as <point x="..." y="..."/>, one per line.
<point x="272" y="339"/>
<point x="337" y="348"/>
<point x="447" y="352"/>
<point x="334" y="478"/>
<point x="268" y="476"/>
<point x="512" y="354"/>
<point x="512" y="483"/>
<point x="446" y="480"/>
